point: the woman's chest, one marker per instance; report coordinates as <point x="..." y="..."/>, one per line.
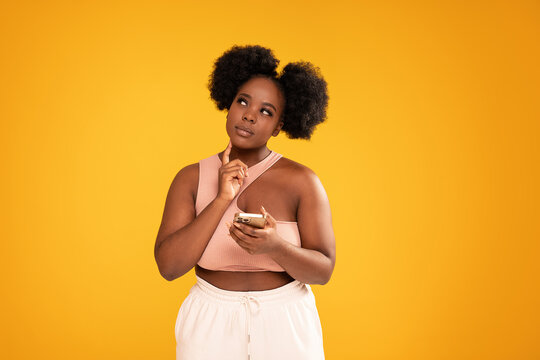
<point x="272" y="192"/>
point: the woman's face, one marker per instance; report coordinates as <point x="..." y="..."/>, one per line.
<point x="255" y="113"/>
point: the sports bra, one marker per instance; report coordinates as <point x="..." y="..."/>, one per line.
<point x="222" y="252"/>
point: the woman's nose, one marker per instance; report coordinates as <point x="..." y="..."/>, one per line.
<point x="249" y="116"/>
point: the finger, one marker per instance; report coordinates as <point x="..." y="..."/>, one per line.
<point x="232" y="234"/>
<point x="240" y="234"/>
<point x="237" y="167"/>
<point x="246" y="245"/>
<point x="239" y="241"/>
<point x="246" y="229"/>
<point x="234" y="172"/>
<point x="234" y="175"/>
<point x="238" y="162"/>
<point x="226" y="170"/>
<point x="226" y="153"/>
<point x="269" y="218"/>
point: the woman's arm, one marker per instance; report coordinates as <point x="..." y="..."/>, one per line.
<point x="313" y="263"/>
<point x="183" y="236"/>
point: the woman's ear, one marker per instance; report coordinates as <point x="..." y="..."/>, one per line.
<point x="277" y="129"/>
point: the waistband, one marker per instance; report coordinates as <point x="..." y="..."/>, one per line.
<point x="280" y="294"/>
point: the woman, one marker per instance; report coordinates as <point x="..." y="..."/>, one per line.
<point x="252" y="298"/>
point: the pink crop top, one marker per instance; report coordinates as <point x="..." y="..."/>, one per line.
<point x="222" y="252"/>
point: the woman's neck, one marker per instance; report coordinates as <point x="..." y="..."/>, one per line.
<point x="249" y="157"/>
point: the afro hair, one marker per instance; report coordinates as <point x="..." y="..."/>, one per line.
<point x="304" y="88"/>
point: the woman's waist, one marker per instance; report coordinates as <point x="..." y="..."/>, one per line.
<point x="244" y="281"/>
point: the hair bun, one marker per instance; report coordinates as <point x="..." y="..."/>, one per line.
<point x="235" y="67"/>
<point x="306" y="98"/>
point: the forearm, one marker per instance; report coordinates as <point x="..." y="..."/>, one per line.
<point x="305" y="265"/>
<point x="180" y="251"/>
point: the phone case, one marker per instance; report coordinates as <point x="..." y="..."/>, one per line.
<point x="256" y="220"/>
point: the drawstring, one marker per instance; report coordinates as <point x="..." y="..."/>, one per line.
<point x="248" y="301"/>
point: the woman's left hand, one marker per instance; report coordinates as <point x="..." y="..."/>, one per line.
<point x="254" y="240"/>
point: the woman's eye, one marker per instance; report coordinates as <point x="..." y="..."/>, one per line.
<point x="266" y="112"/>
<point x="242" y="101"/>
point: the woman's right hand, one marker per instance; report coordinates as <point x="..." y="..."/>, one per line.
<point x="231" y="176"/>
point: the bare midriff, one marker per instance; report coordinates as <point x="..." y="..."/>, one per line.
<point x="244" y="281"/>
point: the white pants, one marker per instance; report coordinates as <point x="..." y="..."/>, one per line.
<point x="277" y="324"/>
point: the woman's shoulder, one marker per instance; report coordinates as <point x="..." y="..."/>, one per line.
<point x="302" y="179"/>
<point x="296" y="171"/>
<point x="189" y="171"/>
<point x="187" y="177"/>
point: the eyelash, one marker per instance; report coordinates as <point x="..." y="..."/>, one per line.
<point x="240" y="100"/>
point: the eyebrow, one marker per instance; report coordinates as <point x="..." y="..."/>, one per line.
<point x="264" y="103"/>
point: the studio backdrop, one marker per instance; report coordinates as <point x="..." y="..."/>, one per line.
<point x="429" y="158"/>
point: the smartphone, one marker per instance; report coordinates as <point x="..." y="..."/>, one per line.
<point x="256" y="220"/>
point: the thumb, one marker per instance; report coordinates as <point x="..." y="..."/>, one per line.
<point x="269" y="218"/>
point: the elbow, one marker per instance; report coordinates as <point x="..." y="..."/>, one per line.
<point x="323" y="280"/>
<point x="320" y="278"/>
<point x="325" y="276"/>
<point x="322" y="274"/>
<point x="170" y="270"/>
<point x="166" y="269"/>
<point x="168" y="276"/>
<point x="167" y="273"/>
<point x="165" y="265"/>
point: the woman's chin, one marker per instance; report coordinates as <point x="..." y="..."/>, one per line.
<point x="244" y="141"/>
<point x="241" y="142"/>
<point x="242" y="145"/>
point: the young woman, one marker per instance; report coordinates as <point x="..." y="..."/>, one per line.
<point x="252" y="298"/>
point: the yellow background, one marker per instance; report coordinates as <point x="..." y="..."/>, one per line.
<point x="430" y="158"/>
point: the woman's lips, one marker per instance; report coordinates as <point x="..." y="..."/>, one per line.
<point x="242" y="131"/>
